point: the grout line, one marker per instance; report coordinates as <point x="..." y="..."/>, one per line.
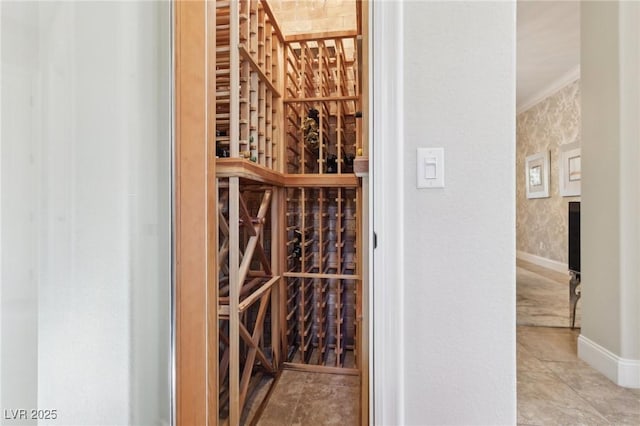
<point x="546" y="370"/>
<point x="525" y="349"/>
<point x="587" y="367"/>
<point x="586" y="401"/>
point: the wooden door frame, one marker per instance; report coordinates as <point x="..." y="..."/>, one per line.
<point x="195" y="306"/>
<point x="195" y="326"/>
<point x="386" y="100"/>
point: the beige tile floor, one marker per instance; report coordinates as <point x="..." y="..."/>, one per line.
<point x="543" y="297"/>
<point x="554" y="387"/>
<point x="301" y="398"/>
<point x="557" y="388"/>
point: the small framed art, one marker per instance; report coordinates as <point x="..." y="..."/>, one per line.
<point x="537" y="175"/>
<point x="570" y="170"/>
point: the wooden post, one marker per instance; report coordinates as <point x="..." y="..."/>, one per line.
<point x="276" y="254"/>
<point x="283" y="264"/>
<point x="212" y="225"/>
<point x="193" y="304"/>
<point x="234" y="301"/>
<point x="279" y="68"/>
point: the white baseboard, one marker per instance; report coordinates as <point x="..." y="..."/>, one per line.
<point x="542" y="261"/>
<point x="624" y="372"/>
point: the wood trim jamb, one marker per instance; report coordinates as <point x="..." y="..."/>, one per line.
<point x="212" y="221"/>
<point x="386" y="101"/>
<point x="191" y="213"/>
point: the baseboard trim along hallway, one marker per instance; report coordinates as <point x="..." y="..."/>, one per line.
<point x="542" y="261"/>
<point x="624" y="372"/>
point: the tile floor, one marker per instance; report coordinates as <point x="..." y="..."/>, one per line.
<point x="557" y="388"/>
<point x="543" y="297"/>
<point x="554" y="386"/>
<point x="301" y="398"/>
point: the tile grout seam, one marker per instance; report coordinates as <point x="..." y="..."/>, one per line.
<point x="587" y="402"/>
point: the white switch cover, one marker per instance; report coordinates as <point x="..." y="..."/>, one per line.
<point x="430" y="168"/>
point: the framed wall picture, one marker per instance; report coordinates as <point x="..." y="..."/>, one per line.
<point x="537" y="175"/>
<point x="570" y="169"/>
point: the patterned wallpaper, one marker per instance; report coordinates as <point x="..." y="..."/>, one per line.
<point x="541" y="224"/>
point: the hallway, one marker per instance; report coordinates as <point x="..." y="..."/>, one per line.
<point x="557" y="388"/>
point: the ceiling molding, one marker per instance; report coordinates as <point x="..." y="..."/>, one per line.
<point x="566" y="79"/>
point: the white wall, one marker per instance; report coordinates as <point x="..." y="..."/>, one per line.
<point x="610" y="65"/>
<point x="459" y="244"/>
<point x="19" y="265"/>
<point x="0" y="212"/>
<point x="99" y="244"/>
<point x="457" y="270"/>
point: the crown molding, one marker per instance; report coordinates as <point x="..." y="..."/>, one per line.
<point x="564" y="80"/>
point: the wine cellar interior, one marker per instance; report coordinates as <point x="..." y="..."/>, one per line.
<point x="290" y="146"/>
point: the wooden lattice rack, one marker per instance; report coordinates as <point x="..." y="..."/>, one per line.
<point x="288" y="204"/>
<point x="248" y="82"/>
<point x="322" y="275"/>
<point x="322" y="77"/>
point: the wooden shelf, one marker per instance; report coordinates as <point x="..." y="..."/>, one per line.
<point x="248" y="170"/>
<point x="328" y="35"/>
<point x="321" y="181"/>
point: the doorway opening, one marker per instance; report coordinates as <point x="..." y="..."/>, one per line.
<point x="287" y="129"/>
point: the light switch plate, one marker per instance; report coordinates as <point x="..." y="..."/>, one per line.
<point x="430" y="168"/>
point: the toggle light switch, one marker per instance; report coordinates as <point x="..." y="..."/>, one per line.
<point x="430" y="168"/>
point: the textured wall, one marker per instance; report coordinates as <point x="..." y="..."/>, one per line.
<point x="86" y="211"/>
<point x="458" y="270"/>
<point x="542" y="223"/>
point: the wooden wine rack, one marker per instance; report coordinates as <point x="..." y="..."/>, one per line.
<point x="321" y="75"/>
<point x="248" y="110"/>
<point x="248" y="80"/>
<point x="322" y="275"/>
<point x="288" y="274"/>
